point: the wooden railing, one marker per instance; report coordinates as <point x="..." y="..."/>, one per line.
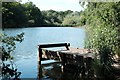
<point x="40" y="53"/>
<point x="49" y="46"/>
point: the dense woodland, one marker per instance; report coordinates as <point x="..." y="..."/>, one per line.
<point x="28" y="15"/>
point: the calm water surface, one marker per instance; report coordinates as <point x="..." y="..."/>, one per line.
<point x="26" y="52"/>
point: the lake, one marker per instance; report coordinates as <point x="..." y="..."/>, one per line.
<point x="25" y="55"/>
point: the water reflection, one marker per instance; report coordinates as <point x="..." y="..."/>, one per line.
<point x="54" y="71"/>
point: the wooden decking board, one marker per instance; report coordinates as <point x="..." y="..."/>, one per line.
<point x="73" y="51"/>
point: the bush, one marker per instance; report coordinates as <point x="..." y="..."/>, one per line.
<point x="8" y="46"/>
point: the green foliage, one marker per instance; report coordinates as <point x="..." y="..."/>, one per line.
<point x="51" y="17"/>
<point x="13" y="14"/>
<point x="55" y="18"/>
<point x="103" y="26"/>
<point x="72" y="19"/>
<point x="103" y="23"/>
<point x="8" y="46"/>
<point x="33" y="14"/>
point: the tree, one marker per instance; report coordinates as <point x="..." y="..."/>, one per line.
<point x="33" y="14"/>
<point x="13" y="15"/>
<point x="8" y="46"/>
<point x="72" y="19"/>
<point x="52" y="17"/>
<point x="103" y="23"/>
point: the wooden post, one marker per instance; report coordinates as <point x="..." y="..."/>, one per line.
<point x="39" y="55"/>
<point x="63" y="61"/>
<point x="39" y="72"/>
<point x="67" y="46"/>
<point x="39" y="63"/>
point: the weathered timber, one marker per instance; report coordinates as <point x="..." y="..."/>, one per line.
<point x="78" y="51"/>
<point x="55" y="45"/>
<point x="79" y="60"/>
<point x="48" y="54"/>
<point x="39" y="55"/>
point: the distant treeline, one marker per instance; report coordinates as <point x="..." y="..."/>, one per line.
<point x="17" y="15"/>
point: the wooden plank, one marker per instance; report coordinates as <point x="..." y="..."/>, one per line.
<point x="78" y="51"/>
<point x="54" y="45"/>
<point x="48" y="46"/>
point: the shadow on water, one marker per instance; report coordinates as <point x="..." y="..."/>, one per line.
<point x="55" y="71"/>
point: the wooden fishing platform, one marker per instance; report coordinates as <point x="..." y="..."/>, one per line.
<point x="45" y="54"/>
<point x="80" y="59"/>
<point x="72" y="59"/>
